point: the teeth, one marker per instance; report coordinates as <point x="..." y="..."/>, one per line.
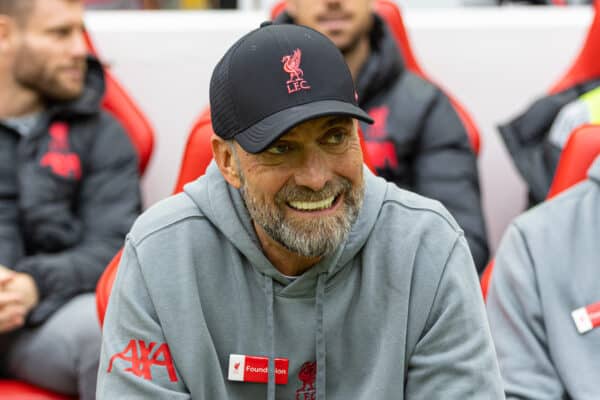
<point x="312" y="205"/>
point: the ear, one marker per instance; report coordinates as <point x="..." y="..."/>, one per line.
<point x="223" y="154"/>
<point x="7" y="28"/>
<point x="291" y="8"/>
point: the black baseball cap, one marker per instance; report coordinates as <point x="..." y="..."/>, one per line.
<point x="275" y="78"/>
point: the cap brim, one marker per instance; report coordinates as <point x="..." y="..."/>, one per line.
<point x="260" y="135"/>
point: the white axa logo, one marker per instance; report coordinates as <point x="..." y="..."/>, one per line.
<point x="264" y="370"/>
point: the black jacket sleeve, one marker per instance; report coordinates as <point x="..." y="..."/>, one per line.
<point x="11" y="244"/>
<point x="107" y="202"/>
<point x="445" y="169"/>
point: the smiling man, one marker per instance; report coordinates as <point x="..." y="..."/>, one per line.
<point x="69" y="191"/>
<point x="275" y="276"/>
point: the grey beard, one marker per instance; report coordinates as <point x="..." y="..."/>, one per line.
<point x="316" y="238"/>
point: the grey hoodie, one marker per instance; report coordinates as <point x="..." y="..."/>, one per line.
<point x="547" y="266"/>
<point x="382" y="319"/>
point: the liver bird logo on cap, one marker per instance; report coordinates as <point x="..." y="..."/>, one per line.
<point x="291" y="65"/>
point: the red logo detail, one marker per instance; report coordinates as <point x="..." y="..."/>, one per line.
<point x="291" y="65"/>
<point x="379" y="128"/>
<point x="382" y="154"/>
<point x="308" y="375"/>
<point x="236" y="366"/>
<point x="59" y="158"/>
<point x="141" y="362"/>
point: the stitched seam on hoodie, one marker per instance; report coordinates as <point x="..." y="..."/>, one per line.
<point x="449" y="222"/>
<point x="138" y="242"/>
<point x="437" y="288"/>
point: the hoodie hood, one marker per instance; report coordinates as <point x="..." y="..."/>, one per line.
<point x="90" y="99"/>
<point x="224" y="207"/>
<point x="383" y="66"/>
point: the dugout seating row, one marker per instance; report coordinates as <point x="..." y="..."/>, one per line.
<point x="583" y="145"/>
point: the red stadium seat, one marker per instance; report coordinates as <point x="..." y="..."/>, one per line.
<point x="586" y="65"/>
<point x="390" y="13"/>
<point x="197" y="153"/>
<point x="581" y="150"/>
<point x="15" y="390"/>
<point x="123" y="108"/>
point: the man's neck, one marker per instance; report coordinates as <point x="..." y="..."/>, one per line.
<point x="286" y="262"/>
<point x="358" y="56"/>
<point x="16" y="101"/>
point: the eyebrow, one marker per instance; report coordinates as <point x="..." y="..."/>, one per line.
<point x="336" y="120"/>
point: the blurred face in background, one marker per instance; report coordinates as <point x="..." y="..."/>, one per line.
<point x="344" y="22"/>
<point x="49" y="54"/>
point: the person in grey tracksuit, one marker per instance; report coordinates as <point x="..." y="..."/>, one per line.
<point x="282" y="251"/>
<point x="547" y="267"/>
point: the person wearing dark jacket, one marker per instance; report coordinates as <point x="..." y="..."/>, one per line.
<point x="417" y="140"/>
<point x="69" y="192"/>
<point x="528" y="139"/>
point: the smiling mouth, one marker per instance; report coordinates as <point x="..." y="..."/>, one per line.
<point x="313" y="205"/>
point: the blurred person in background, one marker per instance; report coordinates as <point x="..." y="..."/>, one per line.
<point x="122" y="4"/>
<point x="69" y="191"/>
<point x="418" y="141"/>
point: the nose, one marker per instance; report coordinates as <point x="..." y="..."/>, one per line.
<point x="314" y="172"/>
<point x="78" y="46"/>
<point x="333" y="4"/>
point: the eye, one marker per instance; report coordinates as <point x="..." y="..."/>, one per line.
<point x="61" y="32"/>
<point x="279" y="148"/>
<point x="336" y="137"/>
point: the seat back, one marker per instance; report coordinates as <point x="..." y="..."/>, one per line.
<point x="586" y="65"/>
<point x="580" y="151"/>
<point x="117" y="102"/>
<point x="197" y="153"/>
<point x="390" y="13"/>
<point x="17" y="390"/>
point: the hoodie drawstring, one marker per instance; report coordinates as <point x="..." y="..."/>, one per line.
<point x="320" y="338"/>
<point x="321" y="350"/>
<point x="271" y="338"/>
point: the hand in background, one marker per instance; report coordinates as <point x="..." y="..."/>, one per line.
<point x="18" y="295"/>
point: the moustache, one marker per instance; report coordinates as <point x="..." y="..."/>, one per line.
<point x="292" y="192"/>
